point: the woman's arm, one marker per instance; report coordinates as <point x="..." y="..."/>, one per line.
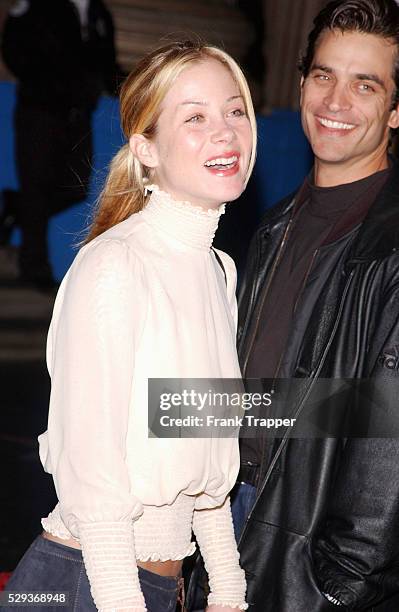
<point x="214" y="531"/>
<point x="91" y="361"/>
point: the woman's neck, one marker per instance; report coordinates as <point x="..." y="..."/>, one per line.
<point x="189" y="224"/>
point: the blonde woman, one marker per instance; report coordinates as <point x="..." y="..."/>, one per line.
<point x="147" y="298"/>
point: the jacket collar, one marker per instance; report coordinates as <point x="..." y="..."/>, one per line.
<point x="379" y="233"/>
<point x="283" y="208"/>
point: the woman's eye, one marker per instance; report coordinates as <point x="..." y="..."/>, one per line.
<point x="195" y="119"/>
<point x="238" y="112"/>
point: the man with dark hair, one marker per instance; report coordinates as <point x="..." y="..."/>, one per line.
<point x="320" y="304"/>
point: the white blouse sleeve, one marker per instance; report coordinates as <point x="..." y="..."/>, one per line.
<point x="91" y="351"/>
<point x="214" y="531"/>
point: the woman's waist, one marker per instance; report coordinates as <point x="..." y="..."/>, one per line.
<point x="167" y="567"/>
<point x="160" y="533"/>
<point x="70" y="542"/>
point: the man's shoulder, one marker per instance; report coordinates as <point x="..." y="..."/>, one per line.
<point x="278" y="210"/>
<point x="378" y="236"/>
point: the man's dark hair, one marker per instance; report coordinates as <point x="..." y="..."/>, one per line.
<point x="379" y="17"/>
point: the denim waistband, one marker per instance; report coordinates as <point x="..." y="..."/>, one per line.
<point x="48" y="546"/>
<point x="75" y="555"/>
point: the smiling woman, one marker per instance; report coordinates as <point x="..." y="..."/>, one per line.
<point x="147" y="298"/>
<point x="202" y="145"/>
<point x="164" y="112"/>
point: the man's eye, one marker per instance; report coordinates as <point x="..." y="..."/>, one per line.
<point x="322" y="77"/>
<point x="365" y="87"/>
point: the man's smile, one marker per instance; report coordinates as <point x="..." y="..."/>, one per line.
<point x="334" y="125"/>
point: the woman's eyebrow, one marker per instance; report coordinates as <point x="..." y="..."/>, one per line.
<point x="204" y="103"/>
<point x="197" y="102"/>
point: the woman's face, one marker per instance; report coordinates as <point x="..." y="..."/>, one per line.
<point x="203" y="140"/>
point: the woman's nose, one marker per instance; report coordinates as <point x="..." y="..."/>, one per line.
<point x="223" y="132"/>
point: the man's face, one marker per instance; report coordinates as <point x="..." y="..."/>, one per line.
<point x="346" y="100"/>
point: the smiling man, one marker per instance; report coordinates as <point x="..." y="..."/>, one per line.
<point x="320" y="301"/>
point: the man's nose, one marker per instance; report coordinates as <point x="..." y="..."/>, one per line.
<point x="337" y="98"/>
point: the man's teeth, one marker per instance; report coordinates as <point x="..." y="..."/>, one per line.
<point x="335" y="125"/>
<point x="222" y="161"/>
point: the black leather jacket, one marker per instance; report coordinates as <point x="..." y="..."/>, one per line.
<point x="326" y="517"/>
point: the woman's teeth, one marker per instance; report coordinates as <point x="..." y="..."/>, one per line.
<point x="222" y="161"/>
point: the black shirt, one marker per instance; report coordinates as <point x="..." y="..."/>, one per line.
<point x="321" y="215"/>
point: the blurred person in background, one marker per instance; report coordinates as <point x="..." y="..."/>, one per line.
<point x="63" y="56"/>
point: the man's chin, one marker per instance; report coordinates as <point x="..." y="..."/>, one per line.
<point x="329" y="154"/>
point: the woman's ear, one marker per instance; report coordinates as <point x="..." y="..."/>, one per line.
<point x="144" y="149"/>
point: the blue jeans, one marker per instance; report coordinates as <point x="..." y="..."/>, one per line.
<point x="49" y="566"/>
<point x="242" y="500"/>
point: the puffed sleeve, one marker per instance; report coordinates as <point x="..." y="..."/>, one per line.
<point x="91" y="351"/>
<point x="214" y="531"/>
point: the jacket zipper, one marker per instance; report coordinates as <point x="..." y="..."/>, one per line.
<point x="295" y="305"/>
<point x="313" y="376"/>
<point x="306" y="277"/>
<point x="265" y="292"/>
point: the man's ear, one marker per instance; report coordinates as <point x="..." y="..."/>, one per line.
<point x="393" y="121"/>
<point x="144" y="149"/>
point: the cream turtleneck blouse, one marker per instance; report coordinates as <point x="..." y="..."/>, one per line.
<point x="146" y="299"/>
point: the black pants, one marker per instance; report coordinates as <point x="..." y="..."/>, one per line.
<point x="53" y="154"/>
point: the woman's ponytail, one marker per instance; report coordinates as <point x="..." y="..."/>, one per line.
<point x="123" y="193"/>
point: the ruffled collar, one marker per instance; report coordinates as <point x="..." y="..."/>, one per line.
<point x="189" y="224"/>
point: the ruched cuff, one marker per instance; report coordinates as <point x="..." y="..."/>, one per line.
<point x="110" y="561"/>
<point x="214" y="531"/>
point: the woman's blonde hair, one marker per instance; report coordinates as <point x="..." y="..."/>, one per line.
<point x="140" y="103"/>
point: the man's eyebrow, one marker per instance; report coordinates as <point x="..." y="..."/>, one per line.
<point x="321" y="67"/>
<point x="203" y="103"/>
<point x="371" y="77"/>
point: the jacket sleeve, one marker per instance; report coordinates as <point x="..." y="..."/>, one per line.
<point x="105" y="51"/>
<point x="246" y="291"/>
<point x="355" y="555"/>
<point x="17" y="45"/>
<point x="35" y="40"/>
